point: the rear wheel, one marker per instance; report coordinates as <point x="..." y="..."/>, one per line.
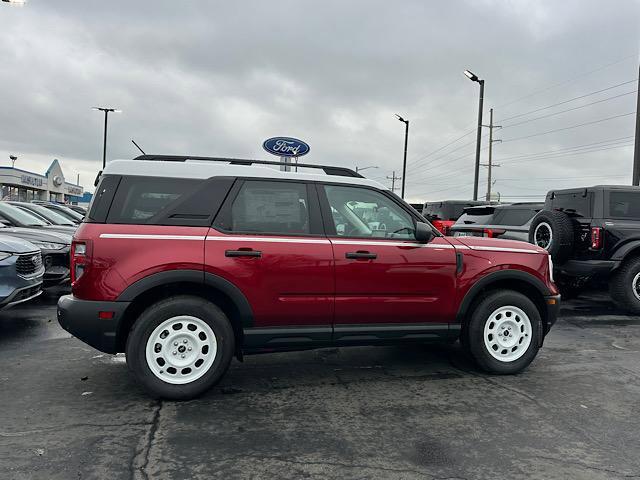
<point x="504" y="332"/>
<point x="180" y="347"/>
<point x="625" y="286"/>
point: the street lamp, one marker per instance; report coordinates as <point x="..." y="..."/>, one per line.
<point x="404" y="162"/>
<point x="474" y="78"/>
<point x="360" y="169"/>
<point x="13" y="158"/>
<point x="106" y="111"/>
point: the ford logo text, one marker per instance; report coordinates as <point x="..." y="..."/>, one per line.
<point x="286" y="147"/>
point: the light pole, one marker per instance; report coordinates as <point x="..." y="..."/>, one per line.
<point x="404" y="162"/>
<point x="106" y="111"/>
<point x="474" y="78"/>
<point x="361" y="169"/>
<point x="13" y="158"/>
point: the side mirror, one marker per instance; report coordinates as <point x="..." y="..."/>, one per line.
<point x="424" y="234"/>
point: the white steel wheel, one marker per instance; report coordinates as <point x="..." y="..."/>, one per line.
<point x="507" y="333"/>
<point x="543" y="235"/>
<point x="181" y="349"/>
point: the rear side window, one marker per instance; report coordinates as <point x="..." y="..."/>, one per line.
<point x="624" y="205"/>
<point x="146" y="200"/>
<point x="268" y="207"/>
<point x="102" y="198"/>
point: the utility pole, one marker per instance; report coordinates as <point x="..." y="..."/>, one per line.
<point x="393" y="179"/>
<point x="490" y="165"/>
<point x="636" y="151"/>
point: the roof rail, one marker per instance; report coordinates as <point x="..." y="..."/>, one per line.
<point x="338" y="171"/>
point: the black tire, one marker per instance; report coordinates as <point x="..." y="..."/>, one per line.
<point x="158" y="313"/>
<point x="622" y="285"/>
<point x="561" y="242"/>
<point x="482" y="315"/>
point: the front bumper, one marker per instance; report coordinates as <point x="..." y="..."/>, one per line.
<point x="81" y="319"/>
<point x="21" y="295"/>
<point x="56" y="263"/>
<point x="553" y="307"/>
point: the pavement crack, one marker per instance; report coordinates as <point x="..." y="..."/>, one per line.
<point x="140" y="461"/>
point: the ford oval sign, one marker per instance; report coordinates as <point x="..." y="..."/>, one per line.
<point x="286" y="147"/>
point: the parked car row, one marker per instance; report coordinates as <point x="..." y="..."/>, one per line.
<point x="35" y="243"/>
<point x="591" y="233"/>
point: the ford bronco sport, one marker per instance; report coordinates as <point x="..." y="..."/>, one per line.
<point x="593" y="234"/>
<point x="184" y="262"/>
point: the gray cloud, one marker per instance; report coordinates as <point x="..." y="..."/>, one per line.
<point x="219" y="77"/>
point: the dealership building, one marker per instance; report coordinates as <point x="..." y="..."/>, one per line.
<point x="21" y="185"/>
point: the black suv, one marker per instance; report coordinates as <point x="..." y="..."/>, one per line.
<point x="593" y="233"/>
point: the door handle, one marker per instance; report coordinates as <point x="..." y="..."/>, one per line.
<point x="242" y="253"/>
<point x="361" y="255"/>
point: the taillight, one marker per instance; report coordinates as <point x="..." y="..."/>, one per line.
<point x="78" y="260"/>
<point x="596" y="238"/>
<point x="492" y="232"/>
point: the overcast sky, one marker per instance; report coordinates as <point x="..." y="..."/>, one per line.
<point x="217" y="78"/>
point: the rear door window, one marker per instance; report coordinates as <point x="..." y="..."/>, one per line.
<point x="624" y="205"/>
<point x="268" y="207"/>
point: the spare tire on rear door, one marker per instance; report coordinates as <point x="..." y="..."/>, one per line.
<point x="553" y="231"/>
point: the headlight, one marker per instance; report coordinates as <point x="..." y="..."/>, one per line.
<point x="5" y="255"/>
<point x="550" y="268"/>
<point x="50" y="245"/>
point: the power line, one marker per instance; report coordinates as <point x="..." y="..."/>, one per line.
<point x="546" y="152"/>
<point x="569" y="128"/>
<point x="441" y="148"/>
<point x="572" y="154"/>
<point x="570" y="80"/>
<point x="569" y="100"/>
<point x="569" y="109"/>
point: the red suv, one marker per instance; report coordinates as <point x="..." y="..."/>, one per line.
<point x="184" y="262"/>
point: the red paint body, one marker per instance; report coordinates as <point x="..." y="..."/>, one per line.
<point x="307" y="280"/>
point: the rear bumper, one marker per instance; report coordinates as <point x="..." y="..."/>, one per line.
<point x="80" y="319"/>
<point x="587" y="268"/>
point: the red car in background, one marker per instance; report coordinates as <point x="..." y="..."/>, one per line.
<point x="443" y="215"/>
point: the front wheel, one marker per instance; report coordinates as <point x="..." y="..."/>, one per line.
<point x="503" y="334"/>
<point x="180" y="347"/>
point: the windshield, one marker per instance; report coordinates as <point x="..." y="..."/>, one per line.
<point x="49" y="215"/>
<point x="19" y="217"/>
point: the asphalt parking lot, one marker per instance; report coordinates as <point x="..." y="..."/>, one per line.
<point x="389" y="412"/>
